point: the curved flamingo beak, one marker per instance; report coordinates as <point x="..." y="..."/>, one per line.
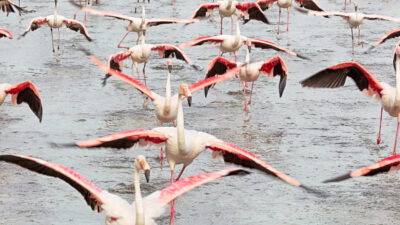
<point x="169" y="64"/>
<point x="147" y="175"/>
<point x="398" y="51"/>
<point x="188" y="95"/>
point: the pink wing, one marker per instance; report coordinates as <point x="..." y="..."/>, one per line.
<point x="167" y="50"/>
<point x="379" y="17"/>
<point x="219" y="65"/>
<point x="335" y="76"/>
<point x="125" y="139"/>
<point x="388" y="164"/>
<point x="309" y="4"/>
<point x="133" y="82"/>
<point x="35" y="24"/>
<point x="89" y="191"/>
<point x="323" y="13"/>
<point x="391" y="34"/>
<point x="213" y="80"/>
<point x="265" y="4"/>
<point x="5" y="33"/>
<point x="8" y="6"/>
<point x="273" y="67"/>
<point x="27" y="92"/>
<point x="159" y="21"/>
<point x="115" y="62"/>
<point x="238" y="156"/>
<point x="184" y="185"/>
<point x="258" y="43"/>
<point x="252" y="11"/>
<point x="203" y="10"/>
<point x="203" y="40"/>
<point x="77" y="26"/>
<point x="106" y="13"/>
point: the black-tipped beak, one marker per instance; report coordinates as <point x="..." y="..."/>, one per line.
<point x="189" y="100"/>
<point x="206" y="91"/>
<point x="147" y="175"/>
<point x="170" y="68"/>
<point x="249" y="47"/>
<point x="282" y="84"/>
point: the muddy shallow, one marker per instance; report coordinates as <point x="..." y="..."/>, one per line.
<point x="308" y="134"/>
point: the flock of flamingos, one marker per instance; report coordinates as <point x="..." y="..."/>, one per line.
<point x="182" y="146"/>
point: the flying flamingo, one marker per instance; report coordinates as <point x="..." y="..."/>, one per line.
<point x="335" y="76"/>
<point x="5" y="33"/>
<point x="56" y="21"/>
<point x="232" y="43"/>
<point x="23" y="92"/>
<point x="138" y="25"/>
<point x="354" y="20"/>
<point x="390" y="35"/>
<point x="118" y="211"/>
<point x="8" y="6"/>
<point x="388" y="164"/>
<point x="250" y="72"/>
<point x="227" y="8"/>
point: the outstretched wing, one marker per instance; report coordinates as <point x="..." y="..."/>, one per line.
<point x="252" y="11"/>
<point x="160" y="21"/>
<point x="27" y="92"/>
<point x="258" y="43"/>
<point x="390" y="35"/>
<point x="335" y="76"/>
<point x="325" y="14"/>
<point x="115" y="62"/>
<point x="167" y="50"/>
<point x="265" y="4"/>
<point x="105" y="13"/>
<point x="77" y="26"/>
<point x="35" y="24"/>
<point x="89" y="191"/>
<point x="8" y="6"/>
<point x="309" y="4"/>
<point x="203" y="40"/>
<point x="219" y="65"/>
<point x="379" y="17"/>
<point x="276" y="67"/>
<point x="130" y="80"/>
<point x="204" y="10"/>
<point x="125" y="139"/>
<point x="5" y="33"/>
<point x="388" y="164"/>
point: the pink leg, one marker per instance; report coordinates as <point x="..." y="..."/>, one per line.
<point x="235" y="62"/>
<point x="244" y="94"/>
<point x="231" y="25"/>
<point x="119" y="45"/>
<point x="395" y="142"/>
<point x="345" y="4"/>
<point x="180" y="174"/>
<point x="279" y="20"/>
<point x="162" y="157"/>
<point x="221" y="26"/>
<point x="287" y="25"/>
<point x="172" y="217"/>
<point x="380" y="127"/>
<point x="137" y="71"/>
<point x="144" y="73"/>
<point x="251" y="92"/>
<point x="85" y="11"/>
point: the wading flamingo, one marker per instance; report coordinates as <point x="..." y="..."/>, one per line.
<point x="335" y="76"/>
<point x="117" y="210"/>
<point x="56" y="21"/>
<point x="5" y="33"/>
<point x="354" y="20"/>
<point x="250" y="72"/>
<point x="138" y="25"/>
<point x="227" y="8"/>
<point x="9" y="6"/>
<point x="390" y="35"/>
<point x="23" y="92"/>
<point x="388" y="164"/>
<point x="232" y="43"/>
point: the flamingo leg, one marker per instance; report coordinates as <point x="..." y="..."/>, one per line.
<point x="172" y="217"/>
<point x="137" y="70"/>
<point x="287" y="26"/>
<point x="221" y="25"/>
<point x="352" y="41"/>
<point x="52" y="41"/>
<point x="85" y="11"/>
<point x="144" y="77"/>
<point x="235" y="62"/>
<point x="180" y="174"/>
<point x="119" y="45"/>
<point x="251" y="92"/>
<point x="359" y="36"/>
<point x="244" y="95"/>
<point x="162" y="157"/>
<point x="279" y="20"/>
<point x="58" y="47"/>
<point x="395" y="141"/>
<point x="380" y="127"/>
<point x="345" y="4"/>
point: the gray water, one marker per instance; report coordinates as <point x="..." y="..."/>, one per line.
<point x="309" y="134"/>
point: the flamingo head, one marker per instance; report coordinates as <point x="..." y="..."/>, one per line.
<point x="184" y="92"/>
<point x="141" y="164"/>
<point x="356" y="5"/>
<point x="169" y="64"/>
<point x="248" y="43"/>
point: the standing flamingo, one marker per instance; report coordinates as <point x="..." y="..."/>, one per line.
<point x="56" y="21"/>
<point x="23" y="92"/>
<point x="138" y="25"/>
<point x="9" y="6"/>
<point x="250" y="72"/>
<point x="5" y="33"/>
<point x="227" y="8"/>
<point x="118" y="211"/>
<point x="335" y="76"/>
<point x="392" y="34"/>
<point x="232" y="43"/>
<point x="354" y="20"/>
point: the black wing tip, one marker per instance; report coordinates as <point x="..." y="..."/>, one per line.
<point x="302" y="57"/>
<point x="62" y="145"/>
<point x="196" y="67"/>
<point x="337" y="179"/>
<point x="314" y="191"/>
<point x="239" y="172"/>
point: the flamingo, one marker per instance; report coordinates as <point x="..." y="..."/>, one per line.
<point x="138" y="25"/>
<point x="5" y="33"/>
<point x="335" y="76"/>
<point x="118" y="211"/>
<point x="9" y="6"/>
<point x="227" y="8"/>
<point x="232" y="43"/>
<point x="354" y="20"/>
<point x="56" y="21"/>
<point x="250" y="72"/>
<point x="23" y="92"/>
<point x="389" y="164"/>
<point x="392" y="34"/>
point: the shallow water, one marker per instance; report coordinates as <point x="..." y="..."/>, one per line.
<point x="309" y="134"/>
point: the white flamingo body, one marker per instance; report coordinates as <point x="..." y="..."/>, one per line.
<point x="284" y="3"/>
<point x="388" y="100"/>
<point x="355" y="19"/>
<point x="55" y="21"/>
<point x="250" y="72"/>
<point x="231" y="43"/>
<point x="227" y="8"/>
<point x="141" y="53"/>
<point x="159" y="107"/>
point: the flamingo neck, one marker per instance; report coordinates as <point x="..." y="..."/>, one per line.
<point x="55" y="13"/>
<point x="143" y="44"/>
<point x="397" y="99"/>
<point x="138" y="200"/>
<point x="237" y="37"/>
<point x="143" y="14"/>
<point x="167" y="104"/>
<point x="180" y="127"/>
<point x="229" y="5"/>
<point x="247" y="58"/>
